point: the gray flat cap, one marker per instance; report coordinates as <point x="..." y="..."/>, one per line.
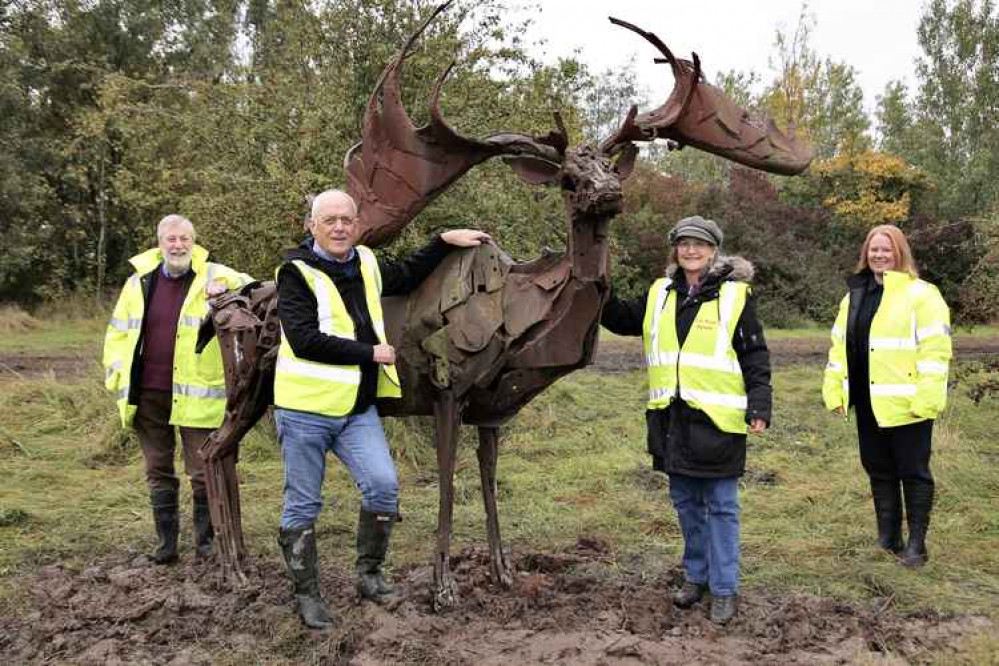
<point x="696" y="227"/>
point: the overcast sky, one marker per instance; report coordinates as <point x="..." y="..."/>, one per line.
<point x="876" y="37"/>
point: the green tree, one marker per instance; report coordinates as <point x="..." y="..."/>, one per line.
<point x="820" y="99"/>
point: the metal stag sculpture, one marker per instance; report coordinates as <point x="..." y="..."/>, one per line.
<point x="482" y="335"/>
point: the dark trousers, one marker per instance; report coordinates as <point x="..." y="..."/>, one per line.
<point x="892" y="454"/>
<point x="159" y="442"/>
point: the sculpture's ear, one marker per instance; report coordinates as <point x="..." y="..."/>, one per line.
<point x="625" y="162"/>
<point x="534" y="171"/>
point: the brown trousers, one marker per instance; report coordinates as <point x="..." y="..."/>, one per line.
<point x="159" y="442"/>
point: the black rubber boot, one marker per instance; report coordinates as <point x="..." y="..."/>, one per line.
<point x="373" y="533"/>
<point x="918" y="503"/>
<point x="299" y="548"/>
<point x="164" y="504"/>
<point x="689" y="594"/>
<point x="888" y="511"/>
<point x="204" y="534"/>
<point x="724" y="609"/>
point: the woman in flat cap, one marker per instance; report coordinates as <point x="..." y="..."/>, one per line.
<point x="709" y="384"/>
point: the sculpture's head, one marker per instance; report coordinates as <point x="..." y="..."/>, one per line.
<point x="398" y="169"/>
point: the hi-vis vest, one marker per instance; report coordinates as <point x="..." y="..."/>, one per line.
<point x="321" y="388"/>
<point x="705" y="372"/>
<point x="910" y="351"/>
<point x="198" y="382"/>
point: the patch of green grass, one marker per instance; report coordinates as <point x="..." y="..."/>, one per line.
<point x="58" y="338"/>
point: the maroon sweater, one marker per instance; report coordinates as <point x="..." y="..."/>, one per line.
<point x="160" y="329"/>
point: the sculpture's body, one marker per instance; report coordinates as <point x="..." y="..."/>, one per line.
<point x="482" y="336"/>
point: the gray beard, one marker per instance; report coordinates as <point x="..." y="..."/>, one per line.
<point x="174" y="271"/>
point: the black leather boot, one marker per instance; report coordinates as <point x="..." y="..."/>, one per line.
<point x="888" y="511"/>
<point x="373" y="532"/>
<point x="164" y="505"/>
<point x="689" y="594"/>
<point x="299" y="548"/>
<point x="204" y="534"/>
<point x="918" y="502"/>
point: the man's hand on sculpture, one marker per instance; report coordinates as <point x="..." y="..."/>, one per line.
<point x="214" y="288"/>
<point x="465" y="237"/>
<point x="384" y="354"/>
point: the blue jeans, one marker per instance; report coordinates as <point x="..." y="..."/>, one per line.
<point x="708" y="510"/>
<point x="357" y="440"/>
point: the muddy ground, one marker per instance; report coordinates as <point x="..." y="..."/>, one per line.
<point x="582" y="607"/>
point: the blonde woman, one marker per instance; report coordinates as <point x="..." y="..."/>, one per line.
<point x="889" y="360"/>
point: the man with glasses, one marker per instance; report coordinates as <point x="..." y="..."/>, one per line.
<point x="333" y="364"/>
<point x="158" y="379"/>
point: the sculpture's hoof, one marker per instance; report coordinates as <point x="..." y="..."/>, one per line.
<point x="444" y="596"/>
<point x="504" y="579"/>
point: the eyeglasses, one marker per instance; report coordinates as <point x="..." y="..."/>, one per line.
<point x="330" y="220"/>
<point x="178" y="239"/>
<point x="693" y="244"/>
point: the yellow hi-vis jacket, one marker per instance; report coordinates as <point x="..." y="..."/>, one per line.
<point x="322" y="388"/>
<point x="705" y="372"/>
<point x="198" y="382"/>
<point x="910" y="351"/>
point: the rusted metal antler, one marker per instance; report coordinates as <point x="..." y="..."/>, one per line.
<point x="398" y="169"/>
<point x="701" y="115"/>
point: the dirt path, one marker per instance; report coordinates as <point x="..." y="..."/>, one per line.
<point x="581" y="607"/>
<point x="626" y="355"/>
<point x="613" y="356"/>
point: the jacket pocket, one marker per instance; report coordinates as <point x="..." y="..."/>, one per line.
<point x="709" y="448"/>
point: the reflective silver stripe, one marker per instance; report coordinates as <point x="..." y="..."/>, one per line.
<point x="190" y="391"/>
<point x="708" y="398"/>
<point x="726" y="306"/>
<point x="122" y="393"/>
<point x="124" y="325"/>
<point x="893" y="343"/>
<point x="835" y="366"/>
<point x="837" y="332"/>
<point x="368" y="258"/>
<point x="931" y="367"/>
<point x="323" y="297"/>
<point x="657" y="313"/>
<point x="116" y="366"/>
<point x="722" y="362"/>
<point x="191" y="321"/>
<point x="932" y="331"/>
<point x="662" y="358"/>
<point x="893" y="389"/>
<point x="656" y="394"/>
<point x="846" y="387"/>
<point x="211" y="273"/>
<point x="318" y="371"/>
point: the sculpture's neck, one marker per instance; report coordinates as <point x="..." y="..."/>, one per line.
<point x="588" y="241"/>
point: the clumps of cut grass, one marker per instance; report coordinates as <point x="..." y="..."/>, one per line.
<point x="15" y="320"/>
<point x="13" y="517"/>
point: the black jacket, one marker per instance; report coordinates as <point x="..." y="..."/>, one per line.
<point x="297" y="308"/>
<point x="681" y="438"/>
<point x="865" y="298"/>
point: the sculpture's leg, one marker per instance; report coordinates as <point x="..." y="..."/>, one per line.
<point x="223" y="502"/>
<point x="221" y="451"/>
<point x="445" y="592"/>
<point x="487" y="452"/>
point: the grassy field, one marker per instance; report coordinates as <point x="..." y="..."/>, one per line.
<point x="571" y="464"/>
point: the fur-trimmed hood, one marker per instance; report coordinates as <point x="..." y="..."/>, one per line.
<point x="725" y="267"/>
